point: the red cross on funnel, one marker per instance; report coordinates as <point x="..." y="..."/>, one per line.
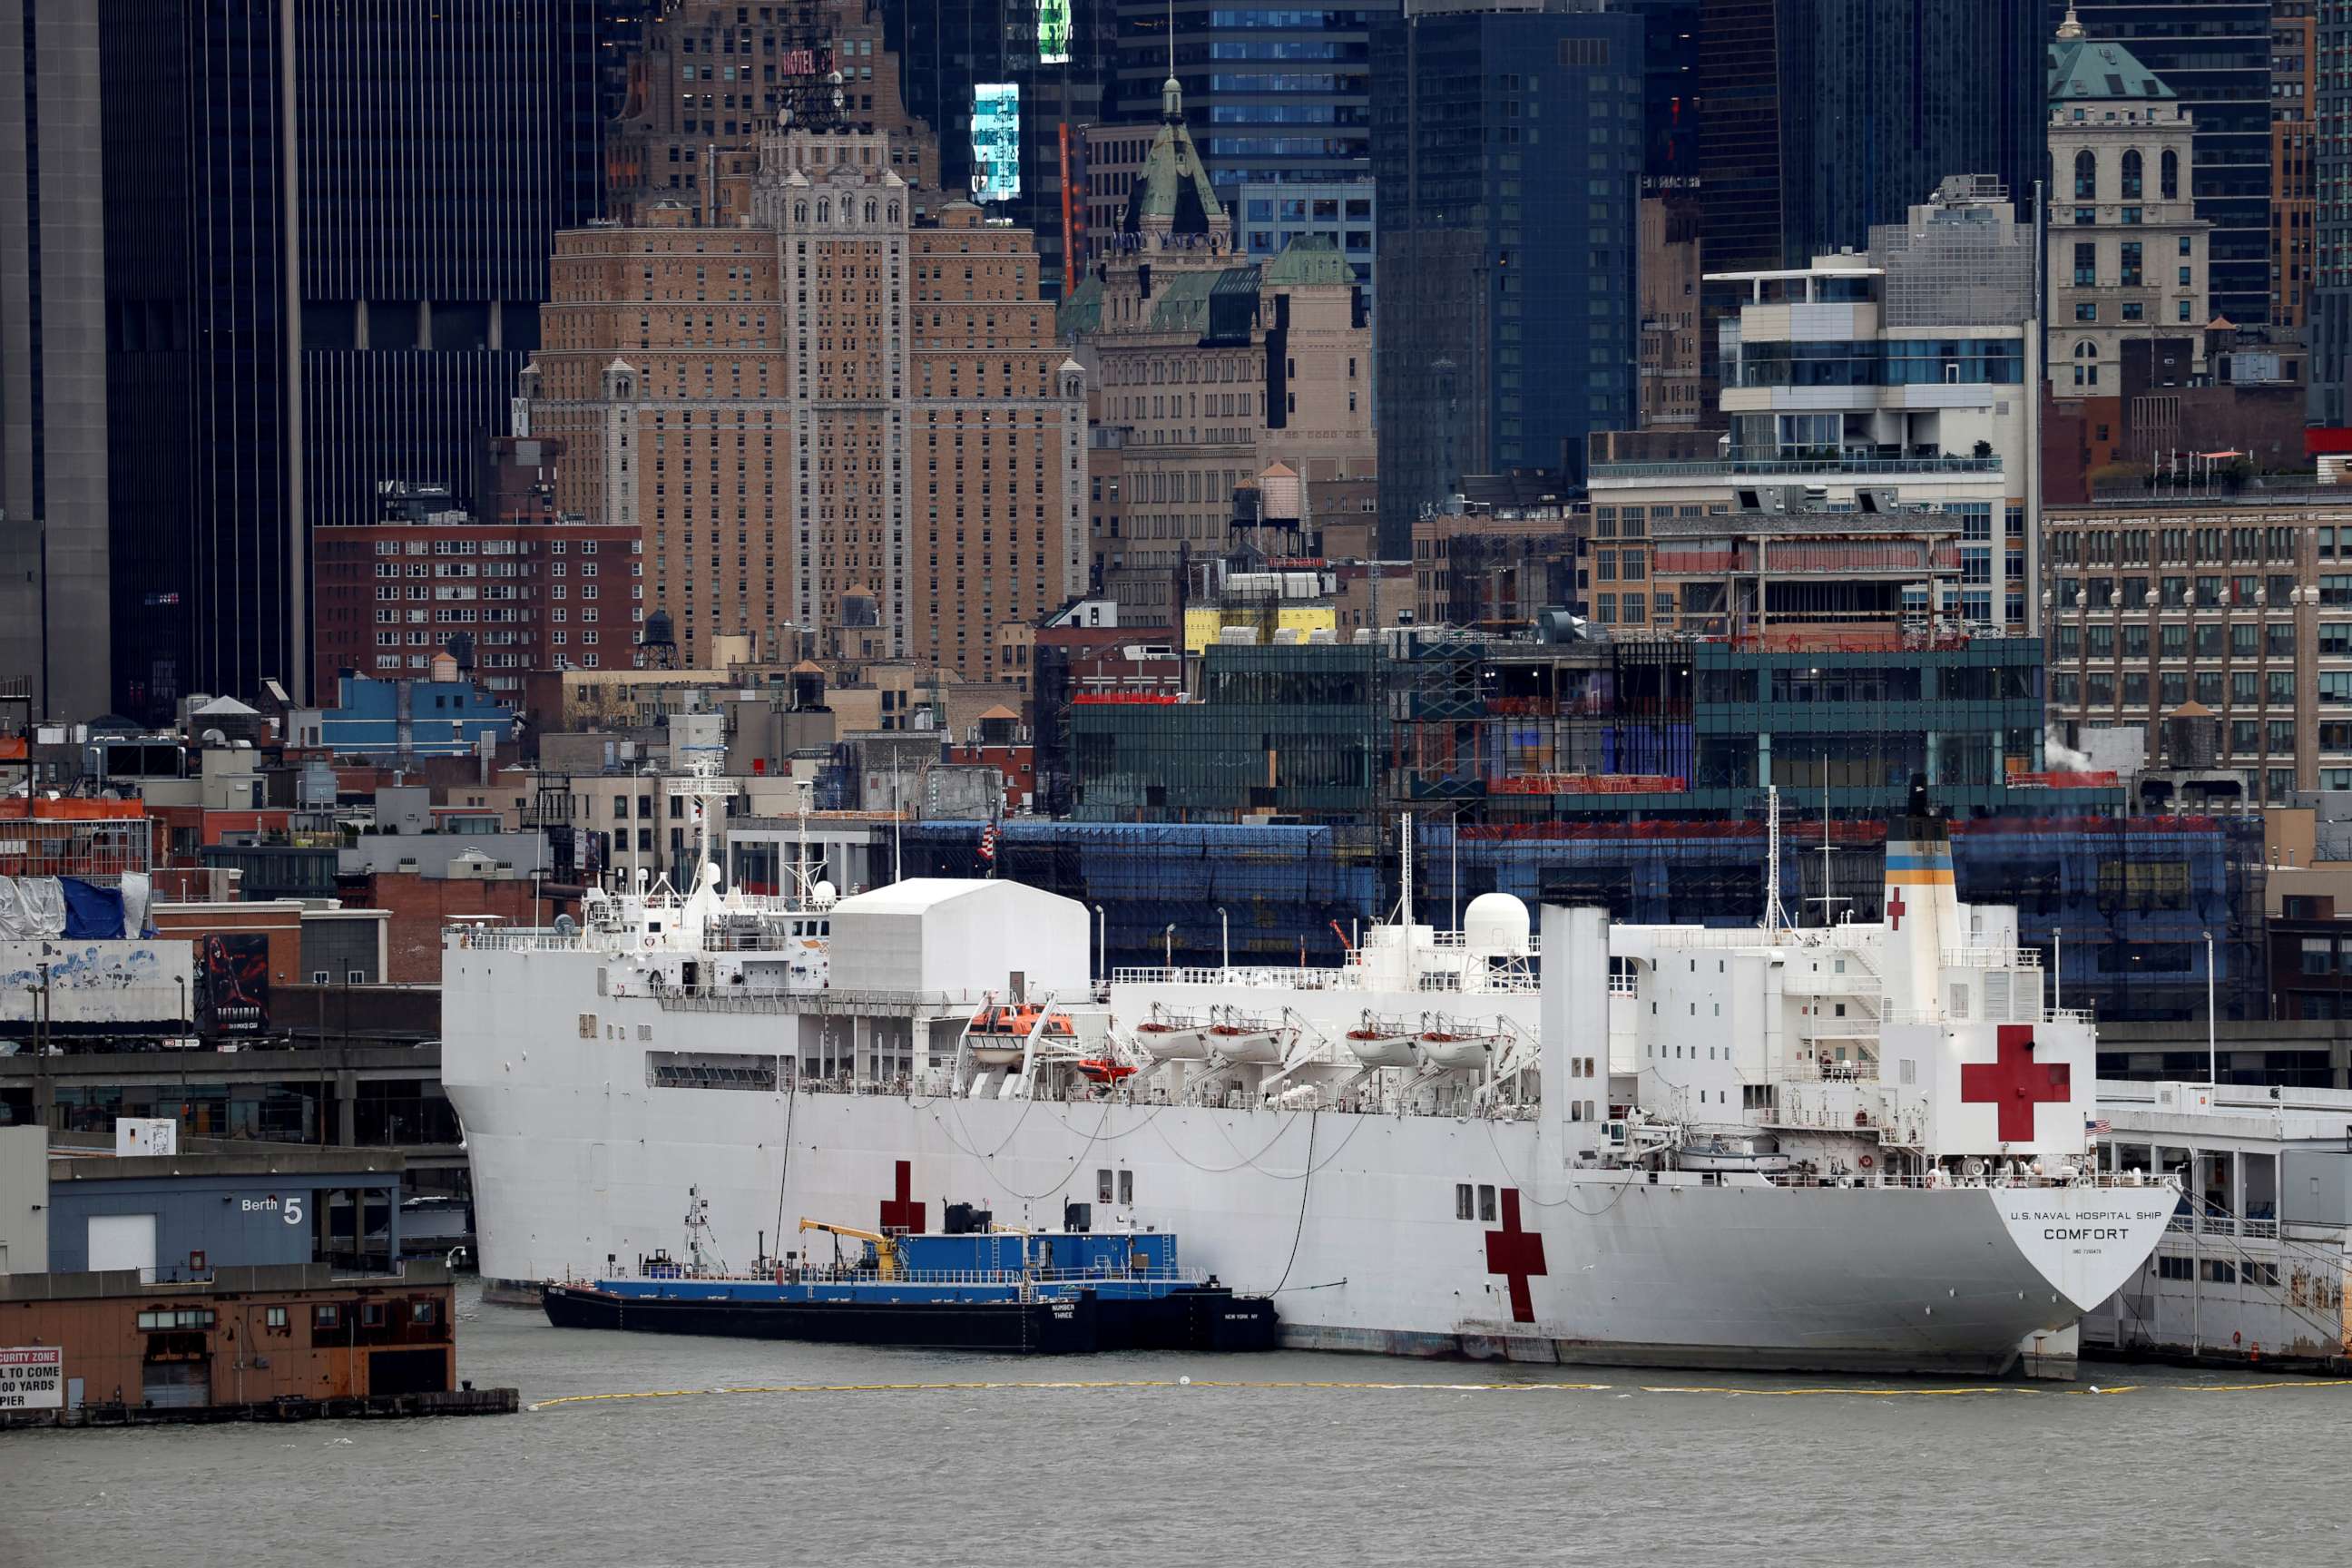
<point x="1896" y="908"/>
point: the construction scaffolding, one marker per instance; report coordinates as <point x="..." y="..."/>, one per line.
<point x="96" y="840"/>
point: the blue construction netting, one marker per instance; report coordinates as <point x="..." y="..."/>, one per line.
<point x="2132" y="896"/>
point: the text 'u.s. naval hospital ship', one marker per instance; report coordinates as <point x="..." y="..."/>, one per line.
<point x="1857" y="1147"/>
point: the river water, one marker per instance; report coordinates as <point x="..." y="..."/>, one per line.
<point x="1250" y="1463"/>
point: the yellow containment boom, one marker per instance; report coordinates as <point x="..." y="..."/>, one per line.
<point x="886" y="1251"/>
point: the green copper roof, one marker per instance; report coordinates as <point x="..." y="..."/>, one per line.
<point x="1173" y="193"/>
<point x="1080" y="311"/>
<point x="2083" y="69"/>
<point x="1306" y="260"/>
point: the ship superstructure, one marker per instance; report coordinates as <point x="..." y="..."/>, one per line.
<point x="1855" y="1146"/>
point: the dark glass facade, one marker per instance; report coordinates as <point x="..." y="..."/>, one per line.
<point x="1819" y="118"/>
<point x="277" y="347"/>
<point x="1509" y="151"/>
<point x="2216" y="56"/>
<point x="2331" y="313"/>
<point x="946" y="46"/>
<point x="1272" y="92"/>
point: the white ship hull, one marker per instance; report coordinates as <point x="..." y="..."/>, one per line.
<point x="1351" y="1218"/>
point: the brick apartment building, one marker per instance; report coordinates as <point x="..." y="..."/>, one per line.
<point x="2243" y="609"/>
<point x="531" y="587"/>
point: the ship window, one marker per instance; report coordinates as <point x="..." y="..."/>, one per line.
<point x="1462" y="1209"/>
<point x="686" y="1069"/>
<point x="1102" y="1186"/>
<point x="326" y="1315"/>
<point x="420" y="1312"/>
<point x="2220" y="1271"/>
<point x="371" y="1314"/>
<point x="1576" y="1111"/>
<point x="2259" y="1273"/>
<point x="1127" y="1186"/>
<point x="2171" y="1267"/>
<point x="1486" y="1202"/>
<point x="275" y="1317"/>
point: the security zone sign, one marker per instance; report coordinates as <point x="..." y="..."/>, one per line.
<point x="33" y="1378"/>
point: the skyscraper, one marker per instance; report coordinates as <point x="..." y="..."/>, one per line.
<point x="1056" y="56"/>
<point x="292" y="250"/>
<point x="835" y="430"/>
<point x="1274" y="93"/>
<point x="1507" y="145"/>
<point x="2331" y="307"/>
<point x="1820" y="118"/>
<point x="2217" y="56"/>
<point x="54" y="539"/>
<point x="710" y="78"/>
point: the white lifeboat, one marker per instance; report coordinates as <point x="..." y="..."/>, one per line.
<point x="1172" y="1040"/>
<point x="1447" y="1047"/>
<point x="1378" y="1043"/>
<point x="1245" y="1042"/>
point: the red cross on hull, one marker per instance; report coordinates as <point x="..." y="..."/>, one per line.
<point x="1517" y="1255"/>
<point x="1896" y="909"/>
<point x="902" y="1213"/>
<point x="2014" y="1083"/>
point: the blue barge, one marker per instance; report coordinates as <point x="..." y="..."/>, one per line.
<point x="1050" y="1294"/>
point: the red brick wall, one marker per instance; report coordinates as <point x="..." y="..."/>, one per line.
<point x="421" y="906"/>
<point x="282" y="923"/>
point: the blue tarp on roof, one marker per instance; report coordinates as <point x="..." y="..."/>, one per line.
<point x="92" y="912"/>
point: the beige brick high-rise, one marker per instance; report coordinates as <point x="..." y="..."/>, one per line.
<point x="829" y="421"/>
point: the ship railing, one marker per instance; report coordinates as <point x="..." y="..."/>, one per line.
<point x="2267" y="1229"/>
<point x="818" y="1274"/>
<point x="1270" y="978"/>
<point x="2027" y="1014"/>
<point x="1941" y="1182"/>
<point x="2181" y="1223"/>
<point x="531" y="940"/>
<point x="2217" y="1225"/>
<point x="1803" y="1071"/>
<point x="1991" y="958"/>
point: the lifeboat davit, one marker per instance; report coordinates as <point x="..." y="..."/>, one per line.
<point x="1379" y="1047"/>
<point x="1440" y="1049"/>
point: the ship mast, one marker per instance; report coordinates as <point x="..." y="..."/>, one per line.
<point x="707" y="789"/>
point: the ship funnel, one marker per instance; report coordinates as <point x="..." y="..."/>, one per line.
<point x="1921" y="906"/>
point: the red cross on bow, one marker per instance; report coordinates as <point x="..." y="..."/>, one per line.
<point x="902" y="1213"/>
<point x="1894" y="909"/>
<point x="2015" y="1083"/>
<point x="1516" y="1254"/>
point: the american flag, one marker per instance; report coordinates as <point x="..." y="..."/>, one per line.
<point x="988" y="843"/>
<point x="2097" y="1126"/>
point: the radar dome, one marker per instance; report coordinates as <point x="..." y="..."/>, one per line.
<point x="823" y="894"/>
<point x="1496" y="925"/>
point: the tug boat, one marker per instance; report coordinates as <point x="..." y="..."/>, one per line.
<point x="973" y="1286"/>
